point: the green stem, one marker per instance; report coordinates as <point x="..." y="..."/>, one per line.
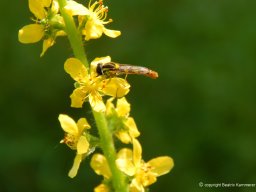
<point x="74" y="36"/>
<point x="118" y="178"/>
<point x="107" y="143"/>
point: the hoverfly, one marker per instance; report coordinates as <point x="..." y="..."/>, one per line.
<point x="111" y="69"/>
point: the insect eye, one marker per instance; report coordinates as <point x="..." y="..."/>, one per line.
<point x="99" y="69"/>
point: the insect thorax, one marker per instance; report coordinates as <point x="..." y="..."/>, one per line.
<point x="108" y="69"/>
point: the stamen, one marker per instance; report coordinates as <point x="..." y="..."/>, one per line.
<point x="105" y="15"/>
<point x="101" y="14"/>
<point x="91" y="8"/>
<point x="99" y="9"/>
<point x="89" y="5"/>
<point x="101" y="2"/>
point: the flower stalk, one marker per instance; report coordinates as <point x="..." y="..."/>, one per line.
<point x="123" y="170"/>
<point x="107" y="142"/>
<point x="74" y="37"/>
<point x="108" y="147"/>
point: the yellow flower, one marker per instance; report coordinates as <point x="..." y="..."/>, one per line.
<point x="100" y="166"/>
<point x="92" y="86"/>
<point x="102" y="188"/>
<point x="125" y="127"/>
<point x="143" y="173"/>
<point x="48" y="24"/>
<point x="75" y="138"/>
<point x="92" y="19"/>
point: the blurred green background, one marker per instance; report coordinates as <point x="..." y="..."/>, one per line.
<point x="201" y="110"/>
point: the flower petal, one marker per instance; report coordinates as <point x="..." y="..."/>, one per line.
<point x="96" y="102"/>
<point x="112" y="33"/>
<point x="161" y="165"/>
<point x="147" y="178"/>
<point x="133" y="130"/>
<point x="68" y="124"/>
<point x="31" y="33"/>
<point x="100" y="165"/>
<point x="123" y="107"/>
<point x="73" y="171"/>
<point x="137" y="153"/>
<point x="82" y="145"/>
<point x="116" y="87"/>
<point x="82" y="124"/>
<point x="110" y="106"/>
<point x="47" y="3"/>
<point x="37" y="7"/>
<point x="123" y="136"/>
<point x="93" y="29"/>
<point x="74" y="8"/>
<point x="125" y="163"/>
<point x="55" y="6"/>
<point x="75" y="68"/>
<point x="46" y="44"/>
<point x="102" y="188"/>
<point x="95" y="63"/>
<point x="136" y="186"/>
<point x="97" y="60"/>
<point x="78" y="97"/>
